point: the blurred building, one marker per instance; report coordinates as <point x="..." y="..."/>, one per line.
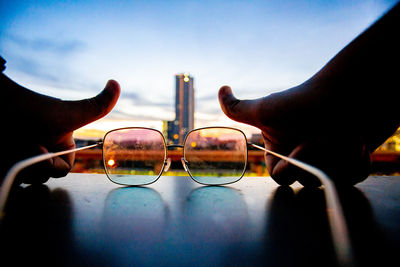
<point x="184" y="109"/>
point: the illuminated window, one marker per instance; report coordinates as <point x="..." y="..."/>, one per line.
<point x="186" y="78"/>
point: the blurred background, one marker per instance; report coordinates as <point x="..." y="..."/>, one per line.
<point x="69" y="49"/>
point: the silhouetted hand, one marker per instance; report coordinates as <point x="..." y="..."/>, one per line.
<point x="36" y="124"/>
<point x="294" y="123"/>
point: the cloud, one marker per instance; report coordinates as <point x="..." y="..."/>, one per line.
<point x="33" y="68"/>
<point x="46" y="62"/>
<point x="55" y="46"/>
<point x="130" y="95"/>
<point x="208" y="97"/>
<point x="140" y="100"/>
<point x="141" y="109"/>
<point x="40" y="74"/>
<point x="136" y="113"/>
<point x="118" y="114"/>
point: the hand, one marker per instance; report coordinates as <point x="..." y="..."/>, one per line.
<point x="300" y="123"/>
<point x="37" y="124"/>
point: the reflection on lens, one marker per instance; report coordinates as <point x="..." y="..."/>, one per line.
<point x="134" y="156"/>
<point x="216" y="156"/>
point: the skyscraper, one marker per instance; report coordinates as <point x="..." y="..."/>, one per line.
<point x="184" y="109"/>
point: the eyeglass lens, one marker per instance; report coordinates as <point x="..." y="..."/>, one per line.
<point x="216" y="156"/>
<point x="134" y="156"/>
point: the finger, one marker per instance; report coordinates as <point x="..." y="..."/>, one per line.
<point x="275" y="165"/>
<point x="61" y="165"/>
<point x="38" y="173"/>
<point x="344" y="168"/>
<point x="246" y="111"/>
<point x="82" y="112"/>
<point x="55" y="167"/>
<point x="284" y="172"/>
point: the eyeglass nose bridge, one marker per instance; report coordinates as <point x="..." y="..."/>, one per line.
<point x="167" y="162"/>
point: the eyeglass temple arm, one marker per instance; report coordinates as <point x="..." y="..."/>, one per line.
<point x="334" y="209"/>
<point x="17" y="167"/>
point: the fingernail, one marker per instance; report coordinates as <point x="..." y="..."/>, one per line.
<point x="110" y="83"/>
<point x="112" y="86"/>
<point x="225" y="90"/>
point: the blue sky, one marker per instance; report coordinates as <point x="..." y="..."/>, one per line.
<point x="69" y="49"/>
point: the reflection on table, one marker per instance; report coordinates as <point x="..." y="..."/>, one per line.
<point x="85" y="219"/>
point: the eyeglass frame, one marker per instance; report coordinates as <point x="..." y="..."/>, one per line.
<point x="183" y="160"/>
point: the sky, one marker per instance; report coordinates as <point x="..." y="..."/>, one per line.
<point x="69" y="49"/>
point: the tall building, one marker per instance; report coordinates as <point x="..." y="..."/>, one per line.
<point x="184" y="109"/>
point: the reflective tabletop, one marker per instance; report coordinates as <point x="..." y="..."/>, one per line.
<point x="84" y="219"/>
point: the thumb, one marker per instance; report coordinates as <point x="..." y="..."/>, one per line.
<point x="85" y="111"/>
<point x="246" y="111"/>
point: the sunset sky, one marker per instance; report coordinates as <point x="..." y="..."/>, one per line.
<point x="69" y="49"/>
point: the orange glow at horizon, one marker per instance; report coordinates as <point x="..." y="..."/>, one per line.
<point x="219" y="133"/>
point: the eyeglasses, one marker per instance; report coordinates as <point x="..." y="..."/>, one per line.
<point x="212" y="156"/>
<point x="139" y="156"/>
